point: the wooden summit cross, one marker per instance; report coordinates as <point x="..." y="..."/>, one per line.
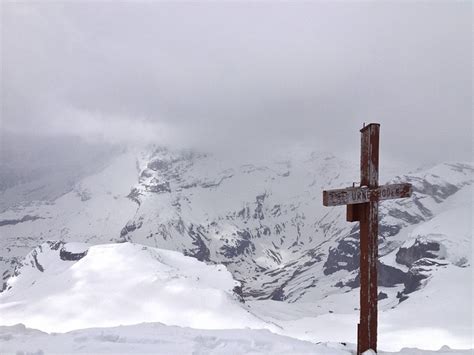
<point x="362" y="205"/>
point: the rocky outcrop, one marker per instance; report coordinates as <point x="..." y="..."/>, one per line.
<point x="437" y="191"/>
<point x="84" y="195"/>
<point x="158" y="187"/>
<point x="239" y="246"/>
<point x="34" y="262"/>
<point x="259" y="207"/>
<point x="387" y="276"/>
<point x="130" y="227"/>
<point x="26" y="218"/>
<point x="343" y="257"/>
<point x="420" y="270"/>
<point x="418" y="250"/>
<point x="67" y="255"/>
<point x="134" y="195"/>
<point x="159" y="165"/>
<point x="201" y="251"/>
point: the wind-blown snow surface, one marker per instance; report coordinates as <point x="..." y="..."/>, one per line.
<point x="155" y="338"/>
<point x="296" y="260"/>
<point x="70" y="286"/>
<point x="115" y="284"/>
<point x="62" y="287"/>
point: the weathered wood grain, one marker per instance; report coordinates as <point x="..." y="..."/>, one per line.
<point x="355" y="195"/>
<point x="362" y="205"/>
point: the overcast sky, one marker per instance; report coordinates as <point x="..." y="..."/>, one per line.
<point x="242" y="77"/>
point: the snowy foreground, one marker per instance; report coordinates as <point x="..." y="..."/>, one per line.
<point x="148" y="300"/>
<point x="157" y="338"/>
<point x="121" y="284"/>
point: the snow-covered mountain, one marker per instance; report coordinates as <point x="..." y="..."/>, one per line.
<point x="264" y="221"/>
<point x="62" y="287"/>
<point x="67" y="286"/>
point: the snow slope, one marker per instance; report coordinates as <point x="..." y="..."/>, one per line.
<point x="68" y="286"/>
<point x="62" y="287"/>
<point x="93" y="212"/>
<point x="439" y="315"/>
<point x="155" y="338"/>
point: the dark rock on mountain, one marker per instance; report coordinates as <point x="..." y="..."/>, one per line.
<point x="66" y="255"/>
<point x="84" y="195"/>
<point x="438" y="192"/>
<point x="53" y="245"/>
<point x="259" y="207"/>
<point x="420" y="270"/>
<point x="239" y="246"/>
<point x="26" y="218"/>
<point x="159" y="165"/>
<point x="238" y="293"/>
<point x="158" y="187"/>
<point x="345" y="256"/>
<point x="278" y="294"/>
<point x="36" y="262"/>
<point x="405" y="216"/>
<point x="420" y="249"/>
<point x="387" y="276"/>
<point x="201" y="252"/>
<point x="130" y="227"/>
<point x="389" y="230"/>
<point x="134" y="195"/>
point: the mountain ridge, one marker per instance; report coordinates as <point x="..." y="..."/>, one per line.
<point x="266" y="223"/>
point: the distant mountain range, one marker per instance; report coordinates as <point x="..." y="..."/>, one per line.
<point x="264" y="222"/>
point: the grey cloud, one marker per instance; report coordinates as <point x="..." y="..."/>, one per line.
<point x="242" y="77"/>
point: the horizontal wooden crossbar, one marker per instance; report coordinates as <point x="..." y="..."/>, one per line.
<point x="355" y="195"/>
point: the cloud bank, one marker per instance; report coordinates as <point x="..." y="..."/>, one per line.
<point x="242" y="77"/>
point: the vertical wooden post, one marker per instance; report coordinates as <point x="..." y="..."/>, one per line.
<point x="362" y="205"/>
<point x="369" y="164"/>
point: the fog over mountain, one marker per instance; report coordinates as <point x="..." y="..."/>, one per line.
<point x="241" y="78"/>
